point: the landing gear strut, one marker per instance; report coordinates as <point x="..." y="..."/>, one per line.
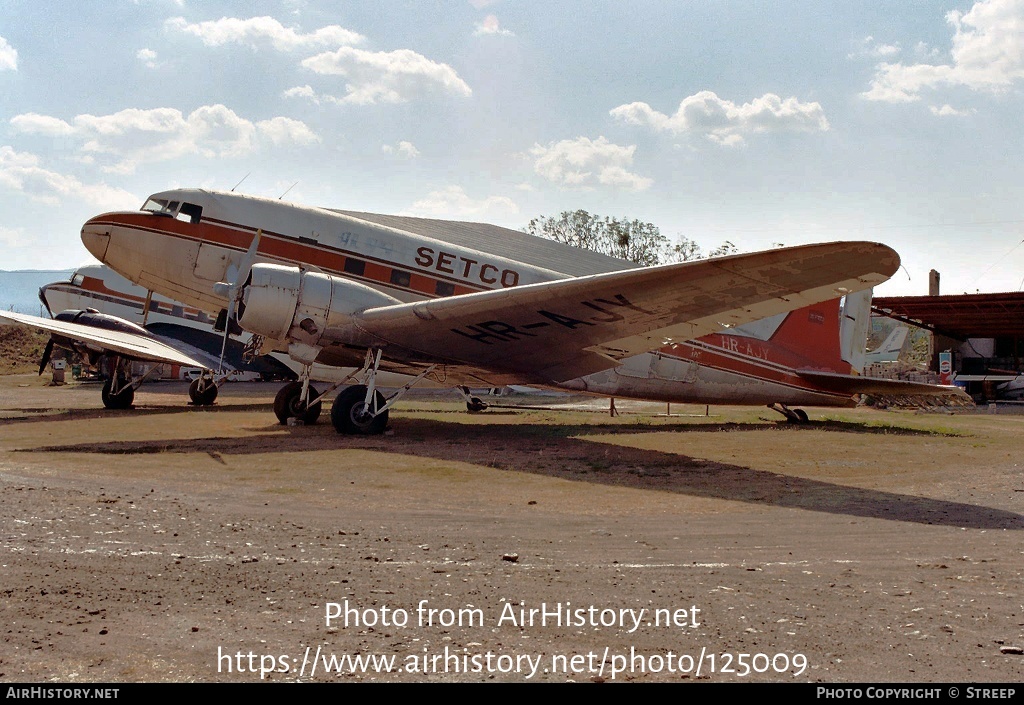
<point x="792" y="415"/>
<point x="361" y="408"/>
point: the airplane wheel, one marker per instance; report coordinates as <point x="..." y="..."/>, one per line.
<point x="475" y="405"/>
<point x="801" y="416"/>
<point x="348" y="415"/>
<point x="121" y="400"/>
<point x="288" y="404"/>
<point x="202" y="391"/>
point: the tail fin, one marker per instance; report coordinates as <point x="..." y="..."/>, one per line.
<point x="812" y="336"/>
<point x="891" y="347"/>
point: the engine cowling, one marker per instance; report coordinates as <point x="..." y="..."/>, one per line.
<point x="287" y="303"/>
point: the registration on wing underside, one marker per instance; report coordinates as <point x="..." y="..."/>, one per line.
<point x="491" y="332"/>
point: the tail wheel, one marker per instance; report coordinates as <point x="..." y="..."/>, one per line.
<point x="122" y="400"/>
<point x="350" y="415"/>
<point x="288" y="404"/>
<point x="475" y="405"/>
<point x="202" y="391"/>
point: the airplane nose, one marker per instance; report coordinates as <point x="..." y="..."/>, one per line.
<point x="96" y="238"/>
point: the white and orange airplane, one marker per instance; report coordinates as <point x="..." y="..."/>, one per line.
<point x="471" y="304"/>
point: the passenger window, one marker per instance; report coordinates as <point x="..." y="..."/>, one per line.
<point x="355" y="266"/>
<point x="444" y="289"/>
<point x="400" y="278"/>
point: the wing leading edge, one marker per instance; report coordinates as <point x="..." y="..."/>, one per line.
<point x="560" y="330"/>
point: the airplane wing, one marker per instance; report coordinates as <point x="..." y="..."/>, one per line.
<point x="560" y="330"/>
<point x="130" y="345"/>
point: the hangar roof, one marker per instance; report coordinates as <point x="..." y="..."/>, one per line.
<point x="964" y="316"/>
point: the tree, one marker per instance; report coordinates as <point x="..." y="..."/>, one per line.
<point x="632" y="240"/>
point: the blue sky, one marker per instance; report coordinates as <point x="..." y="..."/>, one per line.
<point x="757" y="123"/>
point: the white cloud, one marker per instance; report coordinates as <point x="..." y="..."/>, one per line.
<point x="986" y="56"/>
<point x="403" y="149"/>
<point x="34" y="123"/>
<point x="306" y="92"/>
<point x="282" y="130"/>
<point x="12" y="237"/>
<point x="582" y="162"/>
<point x="262" y="31"/>
<point x="949" y="111"/>
<point x="8" y="56"/>
<point x="134" y="136"/>
<point x="453" y="202"/>
<point x="23" y="173"/>
<point x="146" y="56"/>
<point x="725" y="122"/>
<point x="385" y="77"/>
<point x="871" y="49"/>
<point x="490" y="25"/>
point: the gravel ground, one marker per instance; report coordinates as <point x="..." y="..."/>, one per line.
<point x="176" y="544"/>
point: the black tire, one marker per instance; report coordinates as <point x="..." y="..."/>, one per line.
<point x="801" y="414"/>
<point x="202" y="391"/>
<point x="347" y="417"/>
<point x="476" y="405"/>
<point x="121" y="400"/>
<point x="287" y="404"/>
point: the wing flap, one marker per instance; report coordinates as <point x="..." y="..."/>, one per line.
<point x="559" y="330"/>
<point x="129" y="345"/>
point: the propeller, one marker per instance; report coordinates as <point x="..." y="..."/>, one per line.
<point x="47" y="353"/>
<point x="232" y="290"/>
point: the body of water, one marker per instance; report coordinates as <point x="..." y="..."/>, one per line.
<point x="19" y="290"/>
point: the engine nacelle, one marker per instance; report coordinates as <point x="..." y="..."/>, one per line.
<point x="286" y="303"/>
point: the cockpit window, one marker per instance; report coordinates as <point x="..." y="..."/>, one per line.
<point x="77" y="279"/>
<point x="188" y="212"/>
<point x="159" y="205"/>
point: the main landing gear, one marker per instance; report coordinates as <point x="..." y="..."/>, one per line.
<point x="792" y="415"/>
<point x="118" y="392"/>
<point x="292" y="402"/>
<point x="203" y="390"/>
<point x="119" y="389"/>
<point x="358" y="409"/>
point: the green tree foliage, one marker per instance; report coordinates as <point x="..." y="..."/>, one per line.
<point x="632" y="240"/>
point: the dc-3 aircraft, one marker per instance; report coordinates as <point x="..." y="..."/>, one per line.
<point x="470" y="304"/>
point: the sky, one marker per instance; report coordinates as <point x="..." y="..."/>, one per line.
<point x="758" y="123"/>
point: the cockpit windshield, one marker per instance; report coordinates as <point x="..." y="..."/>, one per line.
<point x="187" y="212"/>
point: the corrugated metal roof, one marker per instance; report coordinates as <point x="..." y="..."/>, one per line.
<point x="963" y="316"/>
<point x="504" y="242"/>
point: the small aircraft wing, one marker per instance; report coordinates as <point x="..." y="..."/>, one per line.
<point x="560" y="330"/>
<point x="129" y="345"/>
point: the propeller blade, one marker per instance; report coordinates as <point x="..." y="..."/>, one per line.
<point x="47" y="352"/>
<point x="234" y="289"/>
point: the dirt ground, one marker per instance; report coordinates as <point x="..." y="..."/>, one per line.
<point x="170" y="543"/>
